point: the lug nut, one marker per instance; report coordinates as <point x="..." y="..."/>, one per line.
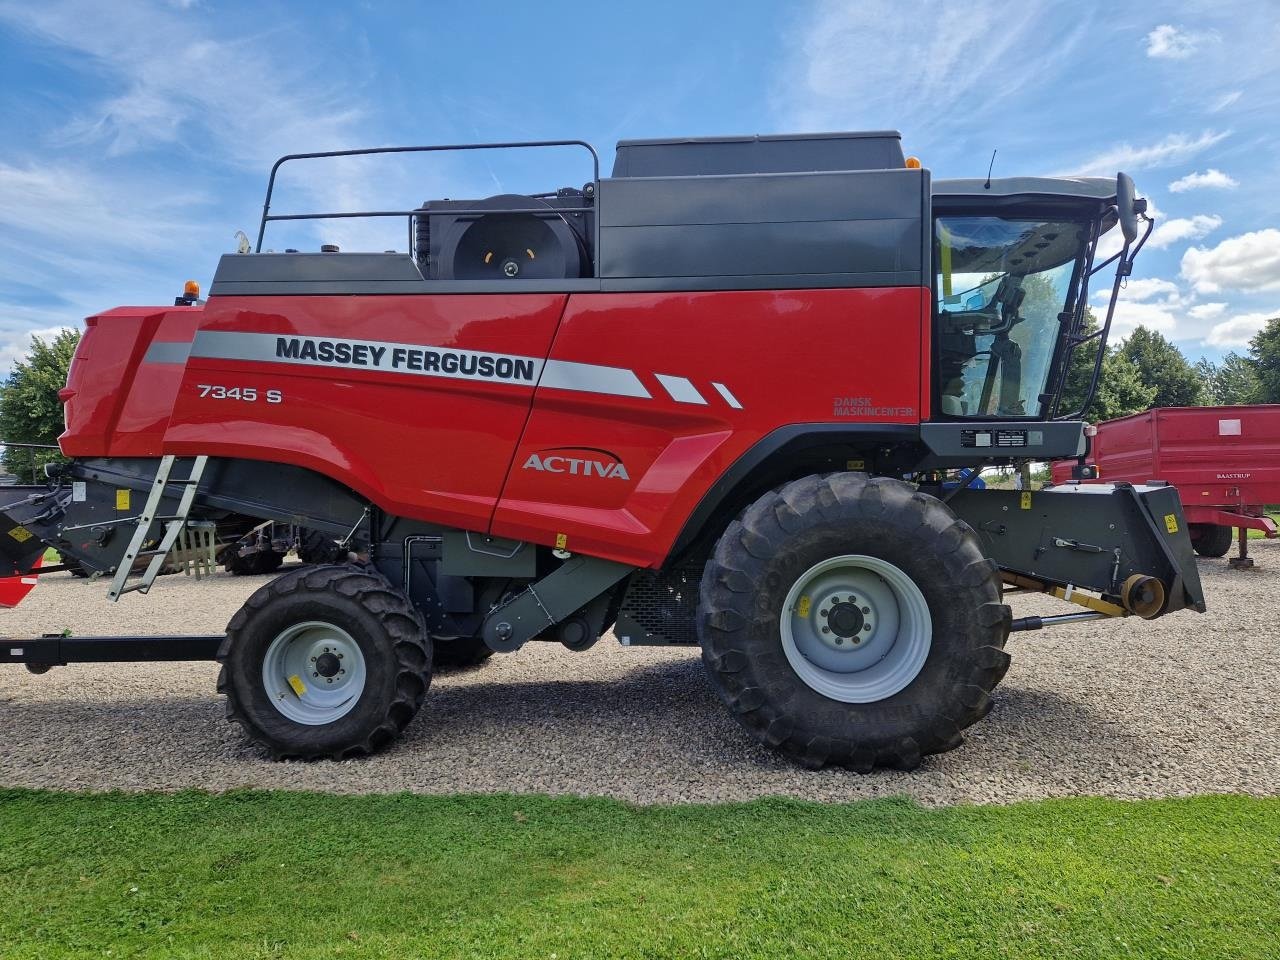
<point x="826" y="629"/>
<point x="313" y="659"/>
<point x="329" y="680"/>
<point x="867" y="628"/>
<point x="866" y="609"/>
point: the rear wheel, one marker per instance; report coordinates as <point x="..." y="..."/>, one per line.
<point x="1211" y="539"/>
<point x="853" y="622"/>
<point x="325" y="662"/>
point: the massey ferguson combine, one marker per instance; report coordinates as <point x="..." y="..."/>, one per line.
<point x="721" y="397"/>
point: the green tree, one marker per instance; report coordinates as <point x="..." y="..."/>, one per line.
<point x="1162" y="365"/>
<point x="1264" y="351"/>
<point x="1207" y="371"/>
<point x="1121" y="390"/>
<point x="30" y="411"/>
<point x="1233" y="381"/>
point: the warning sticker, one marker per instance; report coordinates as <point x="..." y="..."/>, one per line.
<point x="1171" y="523"/>
<point x="299" y="687"/>
<point x="562" y="541"/>
<point x="21" y="534"/>
<point x="1026" y="499"/>
<point x="802" y="608"/>
<point x="122" y="499"/>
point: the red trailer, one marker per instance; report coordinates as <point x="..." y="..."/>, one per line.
<point x="1225" y="462"/>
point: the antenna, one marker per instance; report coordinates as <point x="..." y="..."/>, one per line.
<point x="990" y="167"/>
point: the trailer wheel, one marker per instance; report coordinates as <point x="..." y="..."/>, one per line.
<point x="460" y="653"/>
<point x="1211" y="539"/>
<point x="853" y="622"/>
<point x="325" y="662"/>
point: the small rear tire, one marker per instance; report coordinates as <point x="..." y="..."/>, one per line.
<point x="1211" y="539"/>
<point x="325" y="662"/>
<point x="854" y="622"/>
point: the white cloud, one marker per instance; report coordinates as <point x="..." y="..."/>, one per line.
<point x="1226" y="100"/>
<point x="15" y="345"/>
<point x="1167" y="42"/>
<point x="1146" y="288"/>
<point x="844" y="67"/>
<point x="1174" y="148"/>
<point x="1211" y="178"/>
<point x="1239" y="330"/>
<point x="242" y="101"/>
<point x="1169" y="232"/>
<point x="1131" y="314"/>
<point x="1207" y="311"/>
<point x="1248" y="262"/>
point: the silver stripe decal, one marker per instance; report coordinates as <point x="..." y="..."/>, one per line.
<point x="590" y="378"/>
<point x="681" y="389"/>
<point x="729" y="398"/>
<point x="419" y="359"/>
<point x="166" y="352"/>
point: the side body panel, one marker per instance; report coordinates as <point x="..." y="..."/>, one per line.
<point x="722" y="370"/>
<point x="436" y="447"/>
<point x="643" y="400"/>
<point x="123" y="382"/>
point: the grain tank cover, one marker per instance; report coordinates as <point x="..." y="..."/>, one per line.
<point x="783" y="153"/>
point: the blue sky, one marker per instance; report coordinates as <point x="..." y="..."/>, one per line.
<point x="136" y="137"/>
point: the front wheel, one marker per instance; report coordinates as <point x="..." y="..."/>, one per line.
<point x="854" y="622"/>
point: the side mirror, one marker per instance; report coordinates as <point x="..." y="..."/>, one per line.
<point x="1126" y="208"/>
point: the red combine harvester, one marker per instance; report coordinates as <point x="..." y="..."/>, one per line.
<point x="1225" y="462"/>
<point x="722" y="397"/>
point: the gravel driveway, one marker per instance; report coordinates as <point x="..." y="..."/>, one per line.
<point x="1188" y="704"/>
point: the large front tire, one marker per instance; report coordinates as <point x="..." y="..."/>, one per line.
<point x="853" y="622"/>
<point x="325" y="662"/>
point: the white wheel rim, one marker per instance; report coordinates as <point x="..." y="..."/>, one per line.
<point x="314" y="673"/>
<point x="856" y="629"/>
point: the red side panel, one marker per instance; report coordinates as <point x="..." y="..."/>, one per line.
<point x="643" y="400"/>
<point x="719" y="370"/>
<point x="420" y="446"/>
<point x="123" y="381"/>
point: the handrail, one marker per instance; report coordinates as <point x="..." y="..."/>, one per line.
<point x="268" y="216"/>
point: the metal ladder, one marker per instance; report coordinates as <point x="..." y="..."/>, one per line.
<point x="173" y="527"/>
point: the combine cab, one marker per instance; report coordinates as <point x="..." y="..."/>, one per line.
<point x="716" y="398"/>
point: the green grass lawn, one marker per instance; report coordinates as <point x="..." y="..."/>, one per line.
<point x="299" y="875"/>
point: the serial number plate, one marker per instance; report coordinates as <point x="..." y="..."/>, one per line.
<point x="217" y="391"/>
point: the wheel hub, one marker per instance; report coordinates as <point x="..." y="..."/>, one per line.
<point x="845" y="620"/>
<point x="315" y="672"/>
<point x="856" y="628"/>
<point x="327" y="665"/>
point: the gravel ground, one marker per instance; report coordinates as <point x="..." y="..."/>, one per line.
<point x="1188" y="704"/>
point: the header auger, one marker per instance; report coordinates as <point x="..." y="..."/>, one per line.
<point x="719" y="397"/>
